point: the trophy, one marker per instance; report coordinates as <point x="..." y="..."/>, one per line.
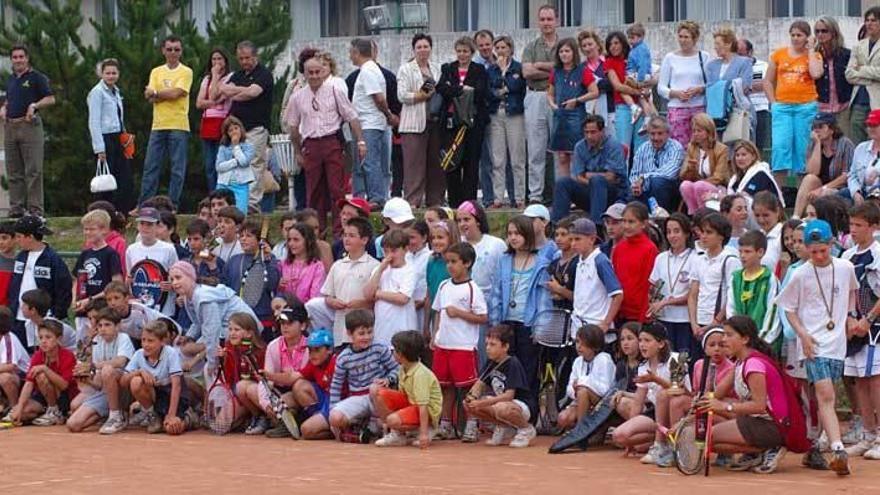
<point x="83" y="371"/>
<point x="678" y="369"/>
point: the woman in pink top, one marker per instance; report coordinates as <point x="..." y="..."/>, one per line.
<point x="302" y="272"/>
<point x="215" y="108"/>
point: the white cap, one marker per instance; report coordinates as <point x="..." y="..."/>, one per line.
<point x="398" y="210"/>
<point x="537" y="211"/>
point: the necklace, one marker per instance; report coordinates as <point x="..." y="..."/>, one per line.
<point x="828" y="308"/>
<point x="516" y="280"/>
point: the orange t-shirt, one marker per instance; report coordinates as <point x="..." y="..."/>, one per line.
<point x="793" y="81"/>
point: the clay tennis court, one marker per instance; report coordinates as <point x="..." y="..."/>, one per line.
<point x="50" y="460"/>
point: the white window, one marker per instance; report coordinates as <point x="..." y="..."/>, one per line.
<point x="306" y="18"/>
<point x="800" y="8"/>
<point x="497" y="15"/>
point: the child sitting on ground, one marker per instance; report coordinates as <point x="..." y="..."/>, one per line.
<point x="243" y="338"/>
<point x="14" y="363"/>
<point x="592" y="375"/>
<point x="312" y="389"/>
<point x="285" y="358"/>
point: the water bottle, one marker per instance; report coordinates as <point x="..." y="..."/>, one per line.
<point x="653" y="205"/>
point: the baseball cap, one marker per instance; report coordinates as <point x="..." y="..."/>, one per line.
<point x="537" y="211"/>
<point x="360" y="203"/>
<point x="32" y="225"/>
<point x="397" y="210"/>
<point x="148" y="214"/>
<point x="615" y="211"/>
<point x="582" y="226"/>
<point x="873" y="118"/>
<point x="817" y="231"/>
<point x="320" y="338"/>
<point x="824" y="118"/>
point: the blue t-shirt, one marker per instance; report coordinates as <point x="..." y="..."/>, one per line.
<point x="519" y="293"/>
<point x="21" y="91"/>
<point x="162" y="370"/>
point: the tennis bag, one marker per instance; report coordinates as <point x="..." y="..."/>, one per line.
<point x="588" y="425"/>
<point x="792" y="425"/>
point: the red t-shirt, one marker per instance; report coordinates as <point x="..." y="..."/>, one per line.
<point x="633" y="260"/>
<point x="618" y="66"/>
<point x="235" y="364"/>
<point x="322" y="375"/>
<point x="63" y="366"/>
<point x="586" y="78"/>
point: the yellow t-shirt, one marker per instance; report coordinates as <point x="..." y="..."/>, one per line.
<point x="793" y="81"/>
<point x="422" y="389"/>
<point x="171" y="115"/>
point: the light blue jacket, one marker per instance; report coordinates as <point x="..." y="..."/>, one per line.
<point x="539" y="297"/>
<point x="209" y="310"/>
<point x="234" y="164"/>
<point x="105" y="114"/>
<point x="740" y="68"/>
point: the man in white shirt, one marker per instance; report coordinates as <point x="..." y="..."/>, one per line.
<point x="372" y="177"/>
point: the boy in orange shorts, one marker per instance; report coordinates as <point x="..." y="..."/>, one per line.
<point x="417" y="402"/>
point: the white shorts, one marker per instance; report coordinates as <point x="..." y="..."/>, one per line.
<point x="856" y="365"/>
<point x="527" y="413"/>
<point x="356" y="407"/>
<point x="793" y="367"/>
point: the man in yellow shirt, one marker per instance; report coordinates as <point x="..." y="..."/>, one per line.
<point x="168" y="91"/>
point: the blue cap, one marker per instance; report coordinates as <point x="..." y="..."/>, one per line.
<point x="320" y="337"/>
<point x="817" y="231"/>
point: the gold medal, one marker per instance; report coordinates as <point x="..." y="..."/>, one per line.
<point x="829" y="308"/>
<point x="830" y="325"/>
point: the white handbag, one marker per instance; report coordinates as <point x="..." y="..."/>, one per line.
<point x="103" y="181"/>
<point x="738" y="126"/>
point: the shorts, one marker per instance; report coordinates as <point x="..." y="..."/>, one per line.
<point x="163" y="400"/>
<point x="398" y="403"/>
<point x="98" y="402"/>
<point x="759" y="432"/>
<point x="63" y="401"/>
<point x="527" y="413"/>
<point x="857" y="364"/>
<point x="649" y="411"/>
<point x="322" y="406"/>
<point x="356" y="407"/>
<point x="263" y="394"/>
<point x="793" y="367"/>
<point x="455" y="368"/>
<point x="820" y="368"/>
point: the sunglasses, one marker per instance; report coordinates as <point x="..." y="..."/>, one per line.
<point x="822" y="31"/>
<point x="174" y="49"/>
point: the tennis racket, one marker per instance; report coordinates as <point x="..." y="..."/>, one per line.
<point x="688" y="438"/>
<point x="282" y="412"/>
<point x="255" y="278"/>
<point x="548" y="409"/>
<point x="873" y="337"/>
<point x="710" y="394"/>
<point x="220" y="407"/>
<point x="552" y="328"/>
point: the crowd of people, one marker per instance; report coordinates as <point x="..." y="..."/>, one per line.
<point x="425" y="331"/>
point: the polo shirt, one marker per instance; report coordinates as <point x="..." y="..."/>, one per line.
<point x="171" y="115"/>
<point x="62" y="366"/>
<point x="346" y="282"/>
<point x="538" y="51"/>
<point x="162" y="370"/>
<point x="21" y="91"/>
<point x="258" y="111"/>
<point x="422" y="389"/>
<point x="594" y="286"/>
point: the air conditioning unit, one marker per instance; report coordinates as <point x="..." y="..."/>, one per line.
<point x="414" y="15"/>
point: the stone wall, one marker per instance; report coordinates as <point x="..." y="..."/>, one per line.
<point x="394" y="49"/>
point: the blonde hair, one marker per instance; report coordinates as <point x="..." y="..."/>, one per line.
<point x="703" y="121"/>
<point x="748" y="146"/>
<point x="690" y="26"/>
<point x="99" y="218"/>
<point x="727" y="36"/>
<point x="327" y="59"/>
<point x="589" y="33"/>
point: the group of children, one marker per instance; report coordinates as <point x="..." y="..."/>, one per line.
<point x="425" y="332"/>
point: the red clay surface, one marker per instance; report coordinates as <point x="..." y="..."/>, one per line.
<point x="49" y="460"/>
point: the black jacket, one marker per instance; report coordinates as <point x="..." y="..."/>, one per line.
<point x="51" y="274"/>
<point x="477" y="78"/>
<point x="823" y="84"/>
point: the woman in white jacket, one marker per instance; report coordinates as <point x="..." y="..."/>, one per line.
<point x="424" y="182"/>
<point x="592" y="375"/>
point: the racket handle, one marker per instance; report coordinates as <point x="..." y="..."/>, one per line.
<point x="222" y="341"/>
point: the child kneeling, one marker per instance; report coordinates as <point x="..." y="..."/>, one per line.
<point x="592" y="375"/>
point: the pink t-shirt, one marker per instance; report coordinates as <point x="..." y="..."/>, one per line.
<point x="302" y="280"/>
<point x="722" y="369"/>
<point x="280" y="357"/>
<point x="776" y="400"/>
<point x="221" y="109"/>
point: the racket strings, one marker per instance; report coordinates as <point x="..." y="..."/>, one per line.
<point x="551" y="328"/>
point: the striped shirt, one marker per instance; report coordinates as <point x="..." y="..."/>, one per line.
<point x="318" y="113"/>
<point x="651" y="162"/>
<point x="358" y="369"/>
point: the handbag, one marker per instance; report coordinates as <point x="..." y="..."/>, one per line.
<point x="268" y="182"/>
<point x="738" y="126"/>
<point x="103" y="181"/>
<point x="210" y="128"/>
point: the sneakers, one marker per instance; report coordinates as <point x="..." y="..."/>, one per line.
<point x="722" y="460"/>
<point x="279" y="431"/>
<point x="814" y="459"/>
<point x="746" y="462"/>
<point x="51" y="417"/>
<point x="7" y="418"/>
<point x="840" y="462"/>
<point x="392" y="439"/>
<point x="874" y="453"/>
<point x="471" y="433"/>
<point x="523" y="437"/>
<point x="860" y="448"/>
<point x="114" y="424"/>
<point x="258" y="426"/>
<point x="652" y="455"/>
<point x="154" y="423"/>
<point x="665" y="457"/>
<point x="140" y="418"/>
<point x="501" y="435"/>
<point x="855" y="433"/>
<point x="445" y="432"/>
<point x="772" y="458"/>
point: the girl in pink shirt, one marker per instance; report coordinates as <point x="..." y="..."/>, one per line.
<point x="302" y="272"/>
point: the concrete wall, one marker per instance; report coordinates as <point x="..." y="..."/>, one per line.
<point x="394" y="50"/>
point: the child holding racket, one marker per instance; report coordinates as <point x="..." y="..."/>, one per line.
<point x="100" y="399"/>
<point x="244" y="338"/>
<point x="862" y="359"/>
<point x="417" y="403"/>
<point x="285" y="358"/>
<point x="254" y="275"/>
<point x="461" y="307"/>
<point x="312" y="389"/>
<point x="592" y="375"/>
<point x="14" y="363"/>
<point x="633" y="260"/>
<point x="597" y="292"/>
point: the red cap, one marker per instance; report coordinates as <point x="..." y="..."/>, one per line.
<point x="359" y="203"/>
<point x="873" y="119"/>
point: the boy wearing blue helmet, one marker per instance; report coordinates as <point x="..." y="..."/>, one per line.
<point x="311" y="390"/>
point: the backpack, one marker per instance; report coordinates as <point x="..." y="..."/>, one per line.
<point x="793" y="426"/>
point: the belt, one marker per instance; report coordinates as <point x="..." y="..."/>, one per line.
<point x="328" y="136"/>
<point x="17" y="120"/>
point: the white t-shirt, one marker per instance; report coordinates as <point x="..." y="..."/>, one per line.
<point x="161" y="252"/>
<point x="774" y="247"/>
<point x="456" y="333"/>
<point x="489" y="250"/>
<point x="370" y="81"/>
<point x="11" y="351"/>
<point x="28" y="282"/>
<point x="662" y="371"/>
<point x="594" y="286"/>
<point x="393" y="318"/>
<point x="227" y="250"/>
<point x="597" y="375"/>
<point x="419" y="263"/>
<point x="68" y="336"/>
<point x="670" y="266"/>
<point x="105" y="351"/>
<point x="802" y="295"/>
<point x="706" y="271"/>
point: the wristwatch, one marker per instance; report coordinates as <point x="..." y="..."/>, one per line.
<point x="853" y="314"/>
<point x="729" y="407"/>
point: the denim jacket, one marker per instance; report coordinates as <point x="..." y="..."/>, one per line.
<point x="539" y="297"/>
<point x="516" y="87"/>
<point x="105" y="114"/>
<point x="234" y="164"/>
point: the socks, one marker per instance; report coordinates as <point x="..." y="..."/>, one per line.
<point x="115" y="414"/>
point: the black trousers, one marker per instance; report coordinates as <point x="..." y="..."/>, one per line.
<point x="462" y="183"/>
<point x="124" y="197"/>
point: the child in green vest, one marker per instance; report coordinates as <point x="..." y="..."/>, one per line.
<point x="753" y="289"/>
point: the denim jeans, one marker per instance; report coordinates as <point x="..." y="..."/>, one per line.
<point x="162" y="143"/>
<point x="627" y="132"/>
<point x="371" y="176"/>
<point x="664" y="190"/>
<point x="595" y="197"/>
<point x="209" y="156"/>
